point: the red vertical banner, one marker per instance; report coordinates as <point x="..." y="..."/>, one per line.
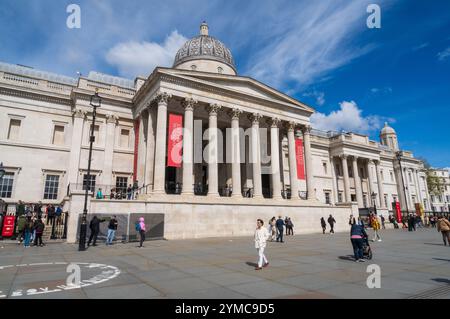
<point x="398" y="211"/>
<point x="136" y="148"/>
<point x="8" y="226"/>
<point x="175" y="140"/>
<point x="299" y="157"/>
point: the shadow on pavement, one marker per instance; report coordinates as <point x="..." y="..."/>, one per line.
<point x="442" y="280"/>
<point x="348" y="258"/>
<point x="442" y="259"/>
<point x="251" y="264"/>
<point x="434" y="244"/>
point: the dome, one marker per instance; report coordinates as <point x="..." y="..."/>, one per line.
<point x="387" y="129"/>
<point x="204" y="47"/>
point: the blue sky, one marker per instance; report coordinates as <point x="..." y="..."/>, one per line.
<point x="321" y="52"/>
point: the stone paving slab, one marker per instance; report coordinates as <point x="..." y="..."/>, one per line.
<point x="411" y="263"/>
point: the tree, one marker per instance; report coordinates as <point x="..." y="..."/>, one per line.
<point x="436" y="185"/>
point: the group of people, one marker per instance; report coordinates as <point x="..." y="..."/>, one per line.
<point x="113" y="224"/>
<point x="30" y="229"/>
<point x="128" y="193"/>
<point x="276" y="228"/>
<point x="331" y="222"/>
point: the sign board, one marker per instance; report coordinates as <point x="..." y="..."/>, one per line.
<point x="8" y="226"/>
<point x="175" y="140"/>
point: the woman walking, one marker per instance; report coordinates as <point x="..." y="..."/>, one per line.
<point x="142" y="231"/>
<point x="376" y="228"/>
<point x="261" y="237"/>
<point x="443" y="226"/>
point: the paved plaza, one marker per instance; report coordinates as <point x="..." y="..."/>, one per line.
<point x="413" y="265"/>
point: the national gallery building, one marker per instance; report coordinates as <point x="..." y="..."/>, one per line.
<point x="208" y="149"/>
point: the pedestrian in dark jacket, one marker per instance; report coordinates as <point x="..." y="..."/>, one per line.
<point x="95" y="229"/>
<point x="280" y="223"/>
<point x="112" y="227"/>
<point x="39" y="228"/>
<point x="331" y="221"/>
<point x="357" y="237"/>
<point x="323" y="224"/>
<point x="411" y="223"/>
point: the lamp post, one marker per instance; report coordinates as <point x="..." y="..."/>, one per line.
<point x="2" y="203"/>
<point x="399" y="158"/>
<point x="95" y="103"/>
<point x="374" y="196"/>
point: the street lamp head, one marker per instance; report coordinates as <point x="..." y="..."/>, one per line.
<point x="374" y="195"/>
<point x="2" y="171"/>
<point x="96" y="100"/>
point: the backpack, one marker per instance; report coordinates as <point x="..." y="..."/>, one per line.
<point x="138" y="226"/>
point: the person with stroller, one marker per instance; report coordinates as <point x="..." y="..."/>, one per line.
<point x="357" y="237"/>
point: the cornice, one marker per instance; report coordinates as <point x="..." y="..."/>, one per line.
<point x="35" y="95"/>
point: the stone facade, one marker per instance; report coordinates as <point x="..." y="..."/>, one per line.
<point x="45" y="121"/>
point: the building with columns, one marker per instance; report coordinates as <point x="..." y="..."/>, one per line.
<point x="440" y="200"/>
<point x="248" y="150"/>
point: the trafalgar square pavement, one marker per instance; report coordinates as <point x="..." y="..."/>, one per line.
<point x="411" y="264"/>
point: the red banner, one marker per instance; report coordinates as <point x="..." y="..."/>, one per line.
<point x="175" y="143"/>
<point x="300" y="160"/>
<point x="8" y="226"/>
<point x="398" y="211"/>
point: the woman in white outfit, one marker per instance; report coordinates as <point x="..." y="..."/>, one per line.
<point x="261" y="237"/>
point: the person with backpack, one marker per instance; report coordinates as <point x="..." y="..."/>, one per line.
<point x="94" y="226"/>
<point x="112" y="227"/>
<point x="140" y="228"/>
<point x="39" y="228"/>
<point x="323" y="224"/>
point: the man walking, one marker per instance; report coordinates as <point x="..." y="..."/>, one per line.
<point x="39" y="227"/>
<point x="411" y="223"/>
<point x="443" y="226"/>
<point x="382" y="222"/>
<point x="112" y="227"/>
<point x="331" y="221"/>
<point x="261" y="236"/>
<point x="95" y="229"/>
<point x="280" y="224"/>
<point x="323" y="224"/>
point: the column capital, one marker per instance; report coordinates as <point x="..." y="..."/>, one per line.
<point x="274" y="122"/>
<point x="213" y="109"/>
<point x="343" y="156"/>
<point x="112" y="118"/>
<point x="162" y="97"/>
<point x="306" y="129"/>
<point x="79" y="113"/>
<point x="235" y="113"/>
<point x="291" y="125"/>
<point x="370" y="161"/>
<point x="355" y="157"/>
<point x="189" y="104"/>
<point x="376" y="162"/>
<point x="255" y="117"/>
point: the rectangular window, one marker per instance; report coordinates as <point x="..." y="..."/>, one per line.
<point x="121" y="185"/>
<point x="365" y="200"/>
<point x="325" y="171"/>
<point x="448" y="198"/>
<point x="89" y="185"/>
<point x="58" y="135"/>
<point x="386" y="200"/>
<point x="124" y="138"/>
<point x="350" y="172"/>
<point x="14" y="129"/>
<point x="338" y="170"/>
<point x="353" y="197"/>
<point x="392" y="176"/>
<point x="432" y="198"/>
<point x="361" y="172"/>
<point x="340" y="197"/>
<point x="440" y="198"/>
<point x="327" y="198"/>
<point x="51" y="187"/>
<point x="6" y="185"/>
<point x="413" y="199"/>
<point x="410" y="178"/>
<point x="382" y="175"/>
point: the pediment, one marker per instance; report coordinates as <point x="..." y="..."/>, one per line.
<point x="238" y="84"/>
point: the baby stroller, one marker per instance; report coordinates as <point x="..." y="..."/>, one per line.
<point x="367" y="251"/>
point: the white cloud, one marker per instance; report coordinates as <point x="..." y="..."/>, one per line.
<point x="140" y="58"/>
<point x="421" y="46"/>
<point x="444" y="55"/>
<point x="320" y="97"/>
<point x="320" y="38"/>
<point x="348" y="118"/>
<point x="381" y="90"/>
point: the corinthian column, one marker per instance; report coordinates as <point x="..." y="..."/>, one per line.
<point x="213" y="174"/>
<point x="162" y="99"/>
<point x="308" y="162"/>
<point x="275" y="158"/>
<point x="380" y="184"/>
<point x="292" y="161"/>
<point x="188" y="146"/>
<point x="348" y="197"/>
<point x="111" y="122"/>
<point x="235" y="154"/>
<point x="256" y="155"/>
<point x="358" y="189"/>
